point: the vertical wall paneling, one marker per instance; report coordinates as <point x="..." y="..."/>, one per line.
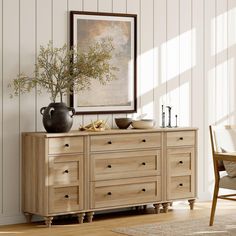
<point x="105" y="6"/>
<point x="210" y="83"/>
<point x="119" y="6"/>
<point x="222" y="115"/>
<point x="173" y="56"/>
<point x="198" y="94"/>
<point x="1" y="111"/>
<point x="147" y="72"/>
<point x="10" y="109"/>
<point x="90" y="5"/>
<point x="44" y="35"/>
<point x="185" y="62"/>
<point x="74" y="5"/>
<point x="159" y="31"/>
<point x="232" y="60"/>
<point x="27" y="61"/>
<point x="133" y="7"/>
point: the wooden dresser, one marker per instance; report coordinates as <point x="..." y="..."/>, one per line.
<point x="83" y="172"/>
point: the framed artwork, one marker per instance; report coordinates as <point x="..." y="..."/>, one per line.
<point x="118" y="96"/>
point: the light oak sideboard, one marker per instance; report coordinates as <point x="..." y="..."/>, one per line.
<point x="83" y="172"/>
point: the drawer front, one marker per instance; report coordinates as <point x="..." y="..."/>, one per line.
<point x="125" y="164"/>
<point x="64" y="170"/>
<point x="64" y="199"/>
<point x="181" y="138"/>
<point x="181" y="187"/>
<point x="127" y="141"/>
<point x="65" y="145"/>
<point x="181" y="161"/>
<point x="129" y="191"/>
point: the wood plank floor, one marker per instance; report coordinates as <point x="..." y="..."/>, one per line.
<point x="104" y="223"/>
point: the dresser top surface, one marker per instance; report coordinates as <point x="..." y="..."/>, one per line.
<point x="107" y="132"/>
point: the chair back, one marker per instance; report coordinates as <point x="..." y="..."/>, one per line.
<point x="223" y="139"/>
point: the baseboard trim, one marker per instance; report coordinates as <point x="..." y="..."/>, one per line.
<point x="10" y="220"/>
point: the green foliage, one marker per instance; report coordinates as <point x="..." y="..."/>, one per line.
<point x="55" y="72"/>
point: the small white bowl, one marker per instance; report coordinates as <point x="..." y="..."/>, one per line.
<point x="143" y="124"/>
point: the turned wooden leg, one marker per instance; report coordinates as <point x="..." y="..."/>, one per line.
<point x="28" y="217"/>
<point x="81" y="218"/>
<point x="90" y="216"/>
<point x="157" y="207"/>
<point x="48" y="221"/>
<point x="171" y="204"/>
<point x="191" y="203"/>
<point x="165" y="207"/>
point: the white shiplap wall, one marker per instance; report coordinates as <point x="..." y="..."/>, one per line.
<point x="186" y="59"/>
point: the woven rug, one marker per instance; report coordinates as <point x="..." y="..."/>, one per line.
<point x="223" y="225"/>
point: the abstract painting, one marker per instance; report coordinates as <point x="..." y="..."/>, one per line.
<point x="117" y="96"/>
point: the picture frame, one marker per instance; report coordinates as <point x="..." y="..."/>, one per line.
<point x="120" y="95"/>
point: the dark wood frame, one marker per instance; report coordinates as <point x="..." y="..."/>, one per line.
<point x="72" y="13"/>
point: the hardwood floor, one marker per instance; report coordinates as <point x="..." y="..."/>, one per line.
<point x="104" y="223"/>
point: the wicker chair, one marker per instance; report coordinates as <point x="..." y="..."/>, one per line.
<point x="222" y="138"/>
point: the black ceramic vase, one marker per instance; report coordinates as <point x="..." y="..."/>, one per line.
<point x="57" y="117"/>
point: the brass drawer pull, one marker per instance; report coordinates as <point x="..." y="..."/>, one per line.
<point x="144" y="140"/>
<point x="66" y="196"/>
<point x="109" y="142"/>
<point x="67" y="145"/>
<point x="144" y="163"/>
<point x="144" y="190"/>
<point x="181" y="138"/>
<point x="66" y="171"/>
<point x="180" y="162"/>
<point x="181" y="185"/>
<point x="109" y="193"/>
<point x="109" y="166"/>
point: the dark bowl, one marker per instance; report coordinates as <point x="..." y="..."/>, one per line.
<point x="123" y="123"/>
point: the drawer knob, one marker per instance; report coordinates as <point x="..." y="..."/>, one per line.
<point x="66" y="196"/>
<point x="180" y="162"/>
<point x="109" y="193"/>
<point x="144" y="140"/>
<point x="109" y="142"/>
<point x="67" y="145"/>
<point x="180" y="184"/>
<point x="144" y="190"/>
<point x="181" y="138"/>
<point x="66" y="171"/>
<point x="143" y="163"/>
<point x="109" y="166"/>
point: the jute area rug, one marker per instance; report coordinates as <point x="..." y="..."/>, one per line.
<point x="223" y="225"/>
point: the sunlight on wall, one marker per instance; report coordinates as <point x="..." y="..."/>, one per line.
<point x="180" y="53"/>
<point x="231" y="91"/>
<point x="224" y="32"/>
<point x="184" y="109"/>
<point x="222" y="98"/>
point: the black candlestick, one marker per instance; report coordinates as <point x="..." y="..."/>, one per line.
<point x="169" y="118"/>
<point x="162" y="116"/>
<point x="176" y="121"/>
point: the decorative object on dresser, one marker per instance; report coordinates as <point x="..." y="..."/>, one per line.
<point x="143" y="124"/>
<point x="55" y="73"/>
<point x="84" y="172"/>
<point x="123" y="123"/>
<point x="120" y="95"/>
